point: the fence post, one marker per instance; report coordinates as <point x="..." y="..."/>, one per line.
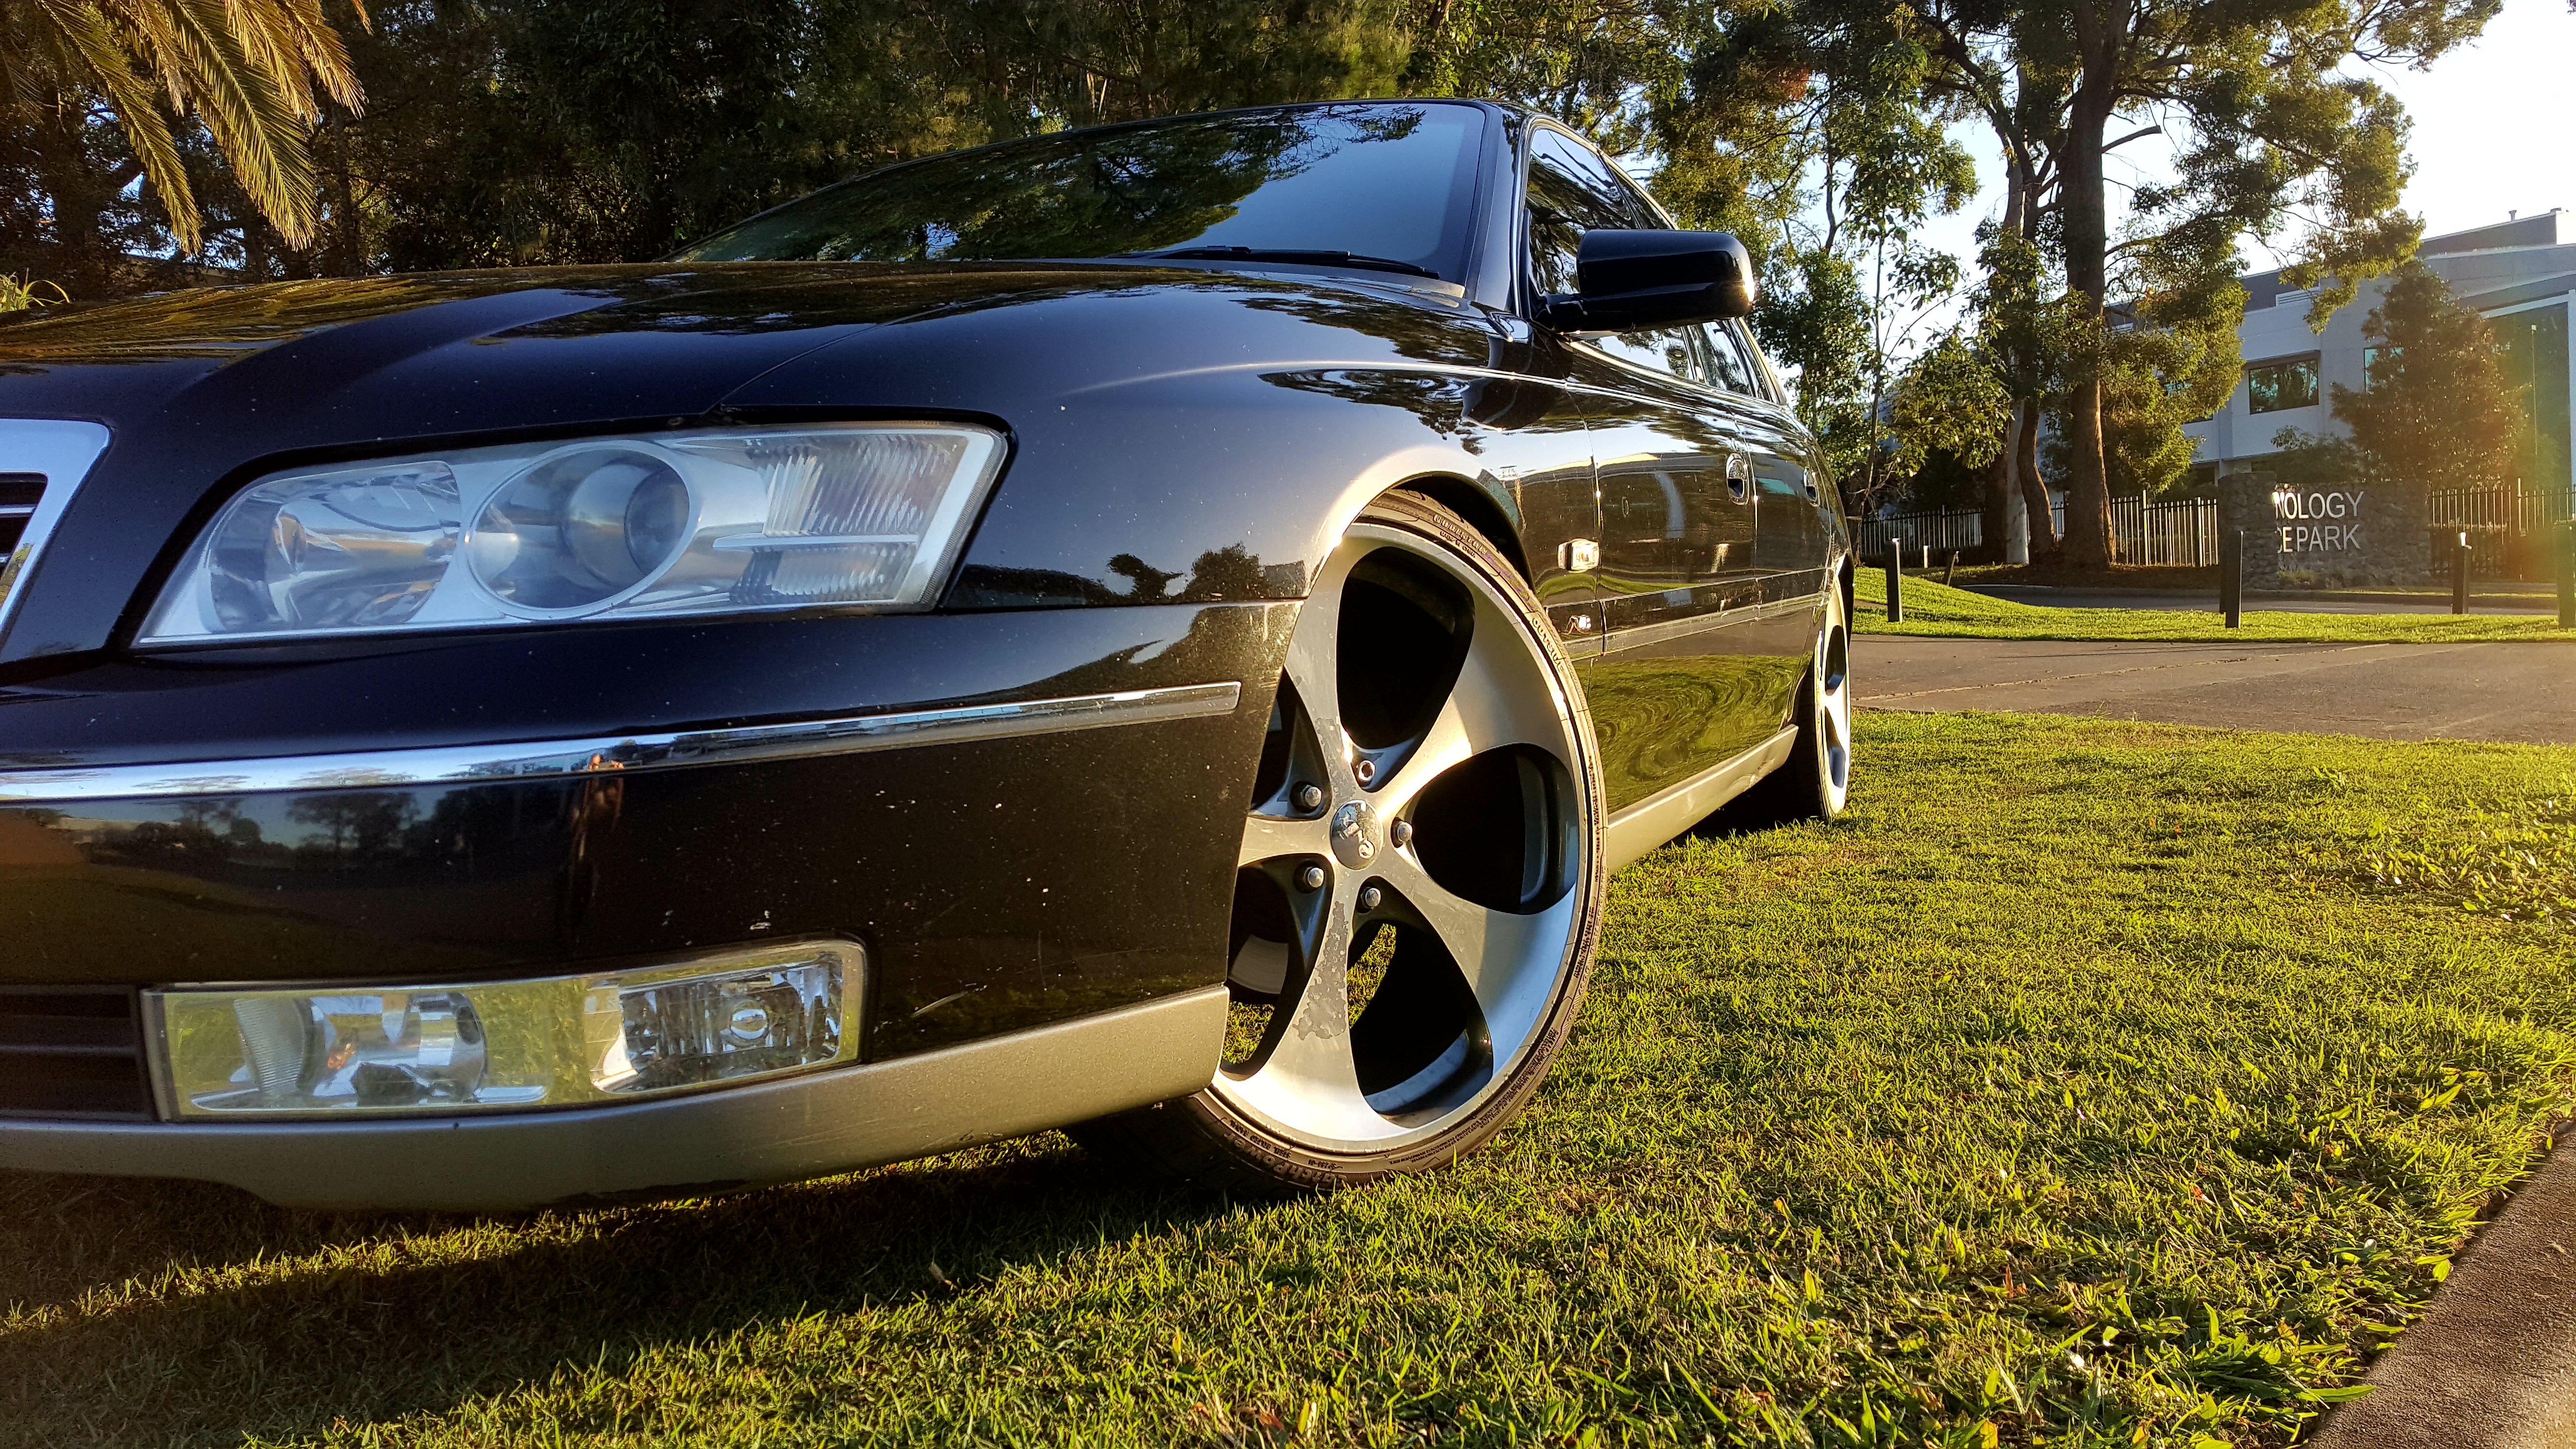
<point x="1895" y="580"/>
<point x="2460" y="576"/>
<point x="2567" y="574"/>
<point x="2231" y="576"/>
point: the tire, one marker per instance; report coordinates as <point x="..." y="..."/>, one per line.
<point x="1409" y="951"/>
<point x="1814" y="783"/>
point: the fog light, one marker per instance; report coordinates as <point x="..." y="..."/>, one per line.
<point x="556" y="1041"/>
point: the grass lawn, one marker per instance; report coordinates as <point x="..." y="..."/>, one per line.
<point x="1934" y="610"/>
<point x="2090" y="1084"/>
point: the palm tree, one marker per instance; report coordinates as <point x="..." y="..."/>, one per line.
<point x="249" y="68"/>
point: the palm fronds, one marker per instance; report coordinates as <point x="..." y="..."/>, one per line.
<point x="255" y="71"/>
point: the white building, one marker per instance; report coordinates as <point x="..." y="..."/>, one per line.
<point x="2519" y="273"/>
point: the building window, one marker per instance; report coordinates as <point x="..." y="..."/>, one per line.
<point x="2288" y="383"/>
<point x="2372" y="370"/>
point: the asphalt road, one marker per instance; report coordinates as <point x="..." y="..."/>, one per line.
<point x="2513" y="691"/>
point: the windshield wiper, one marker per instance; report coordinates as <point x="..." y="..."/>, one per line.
<point x="1287" y="254"/>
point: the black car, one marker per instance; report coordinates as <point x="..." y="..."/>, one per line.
<point x="1161" y="630"/>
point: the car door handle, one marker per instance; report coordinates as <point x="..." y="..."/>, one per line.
<point x="1739" y="477"/>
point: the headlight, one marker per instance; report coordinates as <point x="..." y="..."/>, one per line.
<point x="677" y="523"/>
<point x="558" y="1041"/>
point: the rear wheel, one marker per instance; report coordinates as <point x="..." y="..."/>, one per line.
<point x="1814" y="783"/>
<point x="1418" y="893"/>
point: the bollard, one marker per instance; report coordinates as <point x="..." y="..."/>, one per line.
<point x="1896" y="581"/>
<point x="1950" y="573"/>
<point x="2460" y="576"/>
<point x="2567" y="574"/>
<point x="2231" y="577"/>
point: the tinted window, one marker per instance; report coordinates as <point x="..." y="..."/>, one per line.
<point x="2291" y="383"/>
<point x="1394" y="182"/>
<point x="1732" y="365"/>
<point x="1570" y="192"/>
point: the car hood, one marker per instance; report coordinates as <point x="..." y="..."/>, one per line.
<point x="202" y="390"/>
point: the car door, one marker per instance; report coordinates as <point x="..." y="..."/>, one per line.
<point x="1686" y="677"/>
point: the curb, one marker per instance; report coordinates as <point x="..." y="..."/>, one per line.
<point x="2492" y="1364"/>
<point x="2320" y="596"/>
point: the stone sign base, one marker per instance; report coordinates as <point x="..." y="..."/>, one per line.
<point x="2355" y="533"/>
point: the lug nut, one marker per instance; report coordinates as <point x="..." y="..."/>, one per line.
<point x="1366" y="770"/>
<point x="1311" y="878"/>
<point x="1401" y="832"/>
<point x="1309" y="797"/>
<point x="1369" y="898"/>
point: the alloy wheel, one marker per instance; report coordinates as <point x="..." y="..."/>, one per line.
<point x="1411" y="893"/>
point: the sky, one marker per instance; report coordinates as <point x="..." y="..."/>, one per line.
<point x="2495" y="132"/>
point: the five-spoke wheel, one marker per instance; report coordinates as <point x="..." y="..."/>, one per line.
<point x="1419" y="887"/>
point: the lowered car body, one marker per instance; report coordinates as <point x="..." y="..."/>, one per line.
<point x="984" y="846"/>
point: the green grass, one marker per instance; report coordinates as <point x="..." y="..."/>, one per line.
<point x="2090" y="1084"/>
<point x="1935" y="611"/>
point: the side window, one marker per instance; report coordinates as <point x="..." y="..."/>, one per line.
<point x="1733" y="367"/>
<point x="1572" y="191"/>
<point x="1568" y="196"/>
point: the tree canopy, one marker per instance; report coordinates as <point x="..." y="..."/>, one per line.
<point x="1821" y="132"/>
<point x="2438" y="410"/>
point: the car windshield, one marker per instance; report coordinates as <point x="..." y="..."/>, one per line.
<point x="1379" y="184"/>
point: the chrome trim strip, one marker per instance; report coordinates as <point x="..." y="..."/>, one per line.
<point x="1638" y="636"/>
<point x="63" y="451"/>
<point x="541" y="759"/>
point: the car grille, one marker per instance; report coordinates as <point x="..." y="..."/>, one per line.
<point x="72" y="1051"/>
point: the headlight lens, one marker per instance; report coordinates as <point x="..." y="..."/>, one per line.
<point x="706" y="522"/>
<point x="559" y="1041"/>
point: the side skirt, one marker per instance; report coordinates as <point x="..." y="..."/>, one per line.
<point x="1658" y="818"/>
<point x="808" y="1126"/>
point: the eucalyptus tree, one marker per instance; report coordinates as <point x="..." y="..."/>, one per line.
<point x="2274" y="129"/>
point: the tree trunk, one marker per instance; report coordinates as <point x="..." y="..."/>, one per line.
<point x="2003" y="489"/>
<point x="2101" y="27"/>
<point x="2044" y="543"/>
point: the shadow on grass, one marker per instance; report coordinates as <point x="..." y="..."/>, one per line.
<point x="283" y="1322"/>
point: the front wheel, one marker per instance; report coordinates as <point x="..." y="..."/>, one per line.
<point x="1418" y="893"/>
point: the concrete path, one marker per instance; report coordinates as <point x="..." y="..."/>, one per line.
<point x="2492" y="1364"/>
<point x="2482" y="602"/>
<point x="2516" y="691"/>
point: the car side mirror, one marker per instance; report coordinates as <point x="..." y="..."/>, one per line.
<point x="1630" y="280"/>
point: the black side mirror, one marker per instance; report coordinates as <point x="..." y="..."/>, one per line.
<point x="1639" y="279"/>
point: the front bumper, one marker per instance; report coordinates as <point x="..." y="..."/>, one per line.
<point x="807" y="1126"/>
<point x="1029" y="818"/>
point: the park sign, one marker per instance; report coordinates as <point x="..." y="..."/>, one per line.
<point x="2327" y="534"/>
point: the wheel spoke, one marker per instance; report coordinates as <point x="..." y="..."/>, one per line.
<point x="1269" y="837"/>
<point x="1508" y="959"/>
<point x="1313" y="666"/>
<point x="1484" y="711"/>
<point x="1314" y="1048"/>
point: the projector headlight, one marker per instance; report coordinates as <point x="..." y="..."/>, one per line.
<point x="710" y="522"/>
<point x="558" y="1041"/>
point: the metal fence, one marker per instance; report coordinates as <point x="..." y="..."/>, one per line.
<point x="2510" y="526"/>
<point x="2184" y="531"/>
<point x="1941" y="532"/>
